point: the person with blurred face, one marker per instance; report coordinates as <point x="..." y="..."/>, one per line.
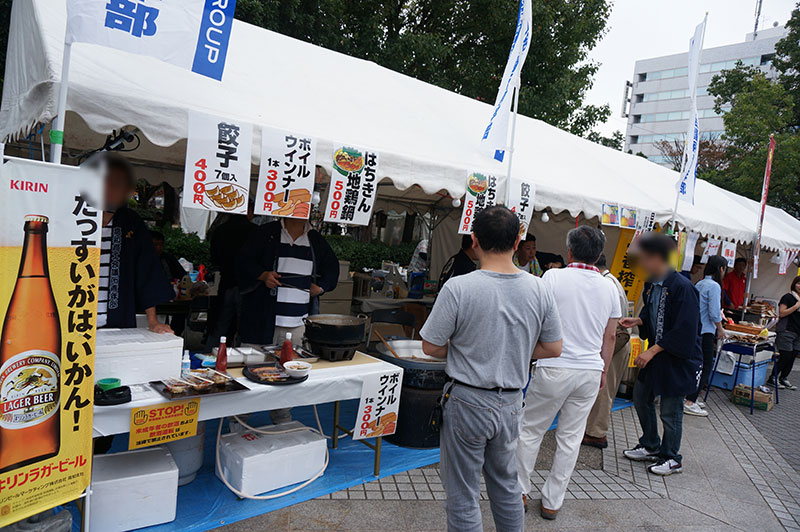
<point x="131" y="279"/>
<point x="671" y="366"/>
<point x="461" y="263"/>
<point x="525" y="258"/>
<point x="788" y="340"/>
<point x="733" y="286"/>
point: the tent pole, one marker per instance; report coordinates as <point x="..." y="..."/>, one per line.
<point x="510" y="148"/>
<point x="57" y="132"/>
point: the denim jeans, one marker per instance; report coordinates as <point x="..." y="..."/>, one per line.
<point x="671" y="417"/>
<point x="479" y="432"/>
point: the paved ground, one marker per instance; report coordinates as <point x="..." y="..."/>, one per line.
<point x="741" y="473"/>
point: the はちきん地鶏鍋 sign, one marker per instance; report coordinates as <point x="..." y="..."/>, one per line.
<point x="162" y="423"/>
<point x="481" y="194"/>
<point x="50" y="228"/>
<point x="354" y="185"/>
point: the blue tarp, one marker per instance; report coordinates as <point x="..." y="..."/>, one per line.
<point x="206" y="503"/>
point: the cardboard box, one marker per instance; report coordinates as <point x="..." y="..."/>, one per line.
<point x="256" y="463"/>
<point x="137" y="355"/>
<point x="761" y="400"/>
<point x="133" y="489"/>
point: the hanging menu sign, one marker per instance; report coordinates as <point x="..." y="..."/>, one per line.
<point x="354" y="185"/>
<point x="217" y="171"/>
<point x="286" y="174"/>
<point x="711" y="249"/>
<point x="729" y="252"/>
<point x="481" y="193"/>
<point x="521" y="202"/>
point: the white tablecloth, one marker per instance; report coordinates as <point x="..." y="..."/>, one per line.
<point x="322" y="386"/>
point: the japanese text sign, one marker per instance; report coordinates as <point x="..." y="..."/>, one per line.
<point x="191" y="34"/>
<point x="521" y="202"/>
<point x="729" y="252"/>
<point x="481" y="194"/>
<point x="50" y="229"/>
<point x="162" y="423"/>
<point x="286" y="175"/>
<point x="645" y="222"/>
<point x="787" y="257"/>
<point x="610" y="214"/>
<point x="217" y="171"/>
<point x="711" y="249"/>
<point x="354" y="185"/>
<point x="623" y="268"/>
<point x="380" y="402"/>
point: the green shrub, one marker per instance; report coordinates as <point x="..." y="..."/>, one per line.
<point x="189" y="246"/>
<point x="369" y="254"/>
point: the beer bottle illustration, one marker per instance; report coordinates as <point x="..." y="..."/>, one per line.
<point x="31" y="367"/>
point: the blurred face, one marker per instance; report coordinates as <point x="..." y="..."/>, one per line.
<point x="797" y="287"/>
<point x="740" y="266"/>
<point x="159" y="245"/>
<point x="118" y="189"/>
<point x="526" y="252"/>
<point x="653" y="265"/>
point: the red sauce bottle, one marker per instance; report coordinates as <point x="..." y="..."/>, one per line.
<point x="222" y="356"/>
<point x="287" y="351"/>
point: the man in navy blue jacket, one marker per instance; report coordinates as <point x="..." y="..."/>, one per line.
<point x="671" y="366"/>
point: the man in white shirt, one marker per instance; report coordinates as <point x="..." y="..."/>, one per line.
<point x="589" y="308"/>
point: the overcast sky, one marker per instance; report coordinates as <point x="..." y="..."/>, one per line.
<point x="640" y="29"/>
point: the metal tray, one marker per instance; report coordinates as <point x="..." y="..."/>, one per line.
<point x="284" y="382"/>
<point x="232" y="386"/>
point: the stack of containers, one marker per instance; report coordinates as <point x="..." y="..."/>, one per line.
<point x="137" y="356"/>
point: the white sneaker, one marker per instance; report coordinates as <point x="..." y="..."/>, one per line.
<point x="786" y="384"/>
<point x="640" y="454"/>
<point x="694" y="410"/>
<point x="666" y="468"/>
<point x="701" y="404"/>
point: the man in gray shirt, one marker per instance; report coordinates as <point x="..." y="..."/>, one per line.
<point x="488" y="324"/>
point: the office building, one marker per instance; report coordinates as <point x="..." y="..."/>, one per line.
<point x="657" y="98"/>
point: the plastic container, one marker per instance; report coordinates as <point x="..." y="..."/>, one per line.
<point x="743" y="376"/>
<point x="188" y="454"/>
<point x="186" y="363"/>
<point x="222" y="356"/>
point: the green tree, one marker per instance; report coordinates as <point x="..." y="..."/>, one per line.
<point x="460" y="45"/>
<point x="616" y="140"/>
<point x="787" y="61"/>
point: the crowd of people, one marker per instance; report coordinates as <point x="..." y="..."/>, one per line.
<point x="558" y="350"/>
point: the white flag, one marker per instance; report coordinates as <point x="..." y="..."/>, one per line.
<point x="494" y="140"/>
<point x="686" y="183"/>
<point x="192" y="34"/>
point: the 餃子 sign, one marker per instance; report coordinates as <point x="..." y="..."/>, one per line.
<point x="286" y="174"/>
<point x="354" y="185"/>
<point x="217" y="171"/>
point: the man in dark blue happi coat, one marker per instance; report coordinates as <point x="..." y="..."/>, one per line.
<point x="671" y="366"/>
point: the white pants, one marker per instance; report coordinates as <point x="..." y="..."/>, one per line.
<point x="570" y="393"/>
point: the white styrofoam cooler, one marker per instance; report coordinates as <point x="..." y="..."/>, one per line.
<point x="133" y="489"/>
<point x="137" y="355"/>
<point x="256" y="463"/>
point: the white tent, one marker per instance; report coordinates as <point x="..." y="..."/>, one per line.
<point x="428" y="137"/>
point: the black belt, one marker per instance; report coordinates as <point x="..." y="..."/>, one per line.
<point x="497" y="389"/>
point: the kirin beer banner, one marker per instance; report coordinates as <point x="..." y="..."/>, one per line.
<point x="192" y="34"/>
<point x="354" y="185"/>
<point x="217" y="170"/>
<point x="49" y="267"/>
<point x="481" y="193"/>
<point x="286" y="174"/>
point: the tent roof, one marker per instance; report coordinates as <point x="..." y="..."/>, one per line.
<point x="427" y="136"/>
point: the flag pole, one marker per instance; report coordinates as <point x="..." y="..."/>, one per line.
<point x="510" y="148"/>
<point x="672" y="222"/>
<point x="57" y="131"/>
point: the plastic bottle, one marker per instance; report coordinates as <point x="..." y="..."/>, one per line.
<point x="222" y="356"/>
<point x="287" y="351"/>
<point x="186" y="363"/>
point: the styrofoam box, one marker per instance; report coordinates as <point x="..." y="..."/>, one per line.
<point x="137" y="355"/>
<point x="133" y="489"/>
<point x="256" y="463"/>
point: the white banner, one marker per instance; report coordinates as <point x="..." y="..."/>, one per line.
<point x="217" y="171"/>
<point x="711" y="249"/>
<point x="686" y="183"/>
<point x="494" y="140"/>
<point x="729" y="252"/>
<point x="481" y="193"/>
<point x="191" y="34"/>
<point x="354" y="185"/>
<point x="688" y="251"/>
<point x="380" y="402"/>
<point x="645" y="222"/>
<point x="787" y="258"/>
<point x="520" y="201"/>
<point x="286" y="174"/>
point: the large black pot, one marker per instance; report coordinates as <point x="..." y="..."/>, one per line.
<point x="334" y="329"/>
<point x="417" y="372"/>
<point x="413" y="419"/>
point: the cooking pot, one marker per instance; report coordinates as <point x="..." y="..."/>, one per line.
<point x="335" y="328"/>
<point x="419" y="370"/>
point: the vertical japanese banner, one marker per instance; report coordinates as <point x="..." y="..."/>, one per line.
<point x="622" y="267"/>
<point x="520" y="201"/>
<point x="217" y="171"/>
<point x="354" y="185"/>
<point x="764" y="193"/>
<point x="687" y="261"/>
<point x="645" y="222"/>
<point x="729" y="252"/>
<point x="50" y="238"/>
<point x="380" y="402"/>
<point x="711" y="249"/>
<point x="481" y="193"/>
<point x="286" y="174"/>
<point x="787" y="258"/>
